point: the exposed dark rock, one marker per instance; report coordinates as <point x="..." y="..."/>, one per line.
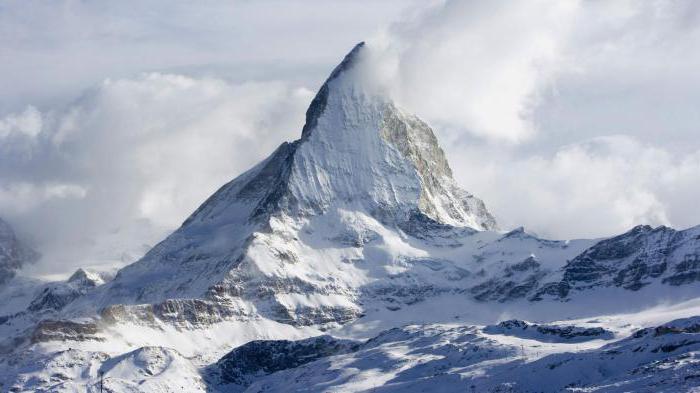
<point x="258" y="358"/>
<point x="264" y="184"/>
<point x="319" y="315"/>
<point x="530" y="263"/>
<point x="423" y="227"/>
<point x="633" y="276"/>
<point x="549" y="333"/>
<point x="54" y="297"/>
<point x="177" y="312"/>
<point x="50" y="330"/>
<point x="520" y="233"/>
<point x="402" y="294"/>
<point x="584" y="269"/>
<point x="552" y="290"/>
<point x="637" y="258"/>
<point x="685" y="272"/>
<point x="505" y="289"/>
<point x="687" y="325"/>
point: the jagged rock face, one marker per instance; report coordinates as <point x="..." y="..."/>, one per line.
<point x="549" y="333"/>
<point x="521" y="264"/>
<point x="636" y="259"/>
<point x="13" y="254"/>
<point x="360" y="152"/>
<point x="631" y="261"/>
<point x="55" y="296"/>
<point x="446" y="358"/>
<point x="258" y="358"/>
<point x="441" y="199"/>
<point x="516" y="281"/>
<point x="48" y="330"/>
<point x="87" y="279"/>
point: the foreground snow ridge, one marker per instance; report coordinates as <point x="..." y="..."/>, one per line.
<point x="414" y="358"/>
<point x="350" y="260"/>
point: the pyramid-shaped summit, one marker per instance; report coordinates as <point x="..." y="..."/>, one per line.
<point x="363" y="174"/>
<point x="358" y="152"/>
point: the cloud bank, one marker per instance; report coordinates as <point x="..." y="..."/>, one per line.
<point x="595" y="188"/>
<point x="575" y="119"/>
<point x="136" y="152"/>
<point x="476" y="65"/>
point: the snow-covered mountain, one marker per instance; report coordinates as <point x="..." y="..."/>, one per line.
<point x="426" y="358"/>
<point x="278" y="240"/>
<point x="356" y="228"/>
<point x="13" y="253"/>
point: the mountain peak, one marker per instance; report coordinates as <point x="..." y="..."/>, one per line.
<point x="358" y="151"/>
<point x="361" y="162"/>
<point x="348" y="61"/>
<point x="357" y="145"/>
<point x="318" y="104"/>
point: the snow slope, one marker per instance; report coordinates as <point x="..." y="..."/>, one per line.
<point x="449" y="358"/>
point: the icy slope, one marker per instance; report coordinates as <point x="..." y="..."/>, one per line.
<point x="638" y="258"/>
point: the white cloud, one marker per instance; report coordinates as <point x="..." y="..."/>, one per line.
<point x="600" y="187"/>
<point x="477" y="65"/>
<point x="147" y="149"/>
<point x="20" y="197"/>
<point x="512" y="71"/>
<point x="576" y="119"/>
<point x="28" y="123"/>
